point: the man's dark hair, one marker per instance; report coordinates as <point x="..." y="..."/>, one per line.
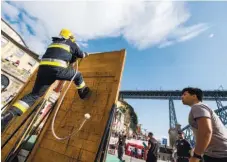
<point x="150" y="134"/>
<point x="180" y="133"/>
<point x="194" y="91"/>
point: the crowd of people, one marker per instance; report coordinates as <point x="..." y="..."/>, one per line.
<point x="150" y="151"/>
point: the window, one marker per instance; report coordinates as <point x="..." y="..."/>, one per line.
<point x="19" y="53"/>
<point x="4" y="41"/>
<point x="4" y="81"/>
<point x="32" y="62"/>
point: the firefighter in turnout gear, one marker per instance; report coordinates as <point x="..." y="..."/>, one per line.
<point x="53" y="66"/>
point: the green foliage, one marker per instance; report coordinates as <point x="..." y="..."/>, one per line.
<point x="133" y="116"/>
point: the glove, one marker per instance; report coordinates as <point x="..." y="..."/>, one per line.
<point x="86" y="54"/>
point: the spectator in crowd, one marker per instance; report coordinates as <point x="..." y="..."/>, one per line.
<point x="152" y="148"/>
<point x="121" y="146"/>
<point x="183" y="147"/>
<point x="209" y="132"/>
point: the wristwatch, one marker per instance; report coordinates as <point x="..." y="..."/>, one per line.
<point x="197" y="156"/>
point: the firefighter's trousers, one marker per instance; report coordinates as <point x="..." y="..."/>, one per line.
<point x="46" y="75"/>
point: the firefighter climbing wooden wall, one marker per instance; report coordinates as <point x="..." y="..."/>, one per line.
<point x="102" y="73"/>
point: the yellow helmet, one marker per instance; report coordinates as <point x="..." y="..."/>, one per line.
<point x="67" y="34"/>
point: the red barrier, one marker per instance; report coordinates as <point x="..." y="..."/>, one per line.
<point x="135" y="150"/>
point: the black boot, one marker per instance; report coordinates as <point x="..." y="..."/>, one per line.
<point x="5" y="119"/>
<point x="84" y="92"/>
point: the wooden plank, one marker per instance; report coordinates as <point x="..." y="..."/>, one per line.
<point x="102" y="73"/>
<point x="14" y="124"/>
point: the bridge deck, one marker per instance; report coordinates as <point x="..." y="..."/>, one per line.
<point x="165" y="95"/>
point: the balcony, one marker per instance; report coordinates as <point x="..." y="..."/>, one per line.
<point x="12" y="70"/>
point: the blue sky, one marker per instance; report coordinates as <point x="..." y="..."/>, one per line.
<point x="168" y="47"/>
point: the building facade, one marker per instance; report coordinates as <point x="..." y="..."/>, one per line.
<point x="17" y="63"/>
<point x="119" y="124"/>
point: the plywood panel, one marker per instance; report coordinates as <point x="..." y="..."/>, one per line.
<point x="102" y="73"/>
<point x="14" y="124"/>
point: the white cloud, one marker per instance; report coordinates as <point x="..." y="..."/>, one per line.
<point x="83" y="44"/>
<point x="184" y="33"/>
<point x="166" y="44"/>
<point x="142" y="24"/>
<point x="12" y="12"/>
<point x="155" y="23"/>
<point x="211" y="35"/>
<point x="191" y="32"/>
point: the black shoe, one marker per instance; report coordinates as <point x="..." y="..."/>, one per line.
<point x="84" y="93"/>
<point x="5" y="119"/>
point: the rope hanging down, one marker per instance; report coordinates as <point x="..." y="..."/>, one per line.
<point x="86" y="116"/>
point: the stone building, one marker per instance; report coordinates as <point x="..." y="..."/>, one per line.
<point x="17" y="62"/>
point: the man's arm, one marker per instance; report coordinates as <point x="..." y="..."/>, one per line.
<point x="149" y="145"/>
<point x="204" y="134"/>
<point x="191" y="152"/>
<point x="79" y="53"/>
<point x="189" y="147"/>
<point x="117" y="143"/>
<point x="175" y="145"/>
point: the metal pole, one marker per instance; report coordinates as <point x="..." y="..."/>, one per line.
<point x="105" y="134"/>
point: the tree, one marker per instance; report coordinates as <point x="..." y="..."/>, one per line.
<point x="126" y="108"/>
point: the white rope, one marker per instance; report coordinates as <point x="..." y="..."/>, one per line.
<point x="87" y="116"/>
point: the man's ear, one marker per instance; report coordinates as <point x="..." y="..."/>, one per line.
<point x="194" y="96"/>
